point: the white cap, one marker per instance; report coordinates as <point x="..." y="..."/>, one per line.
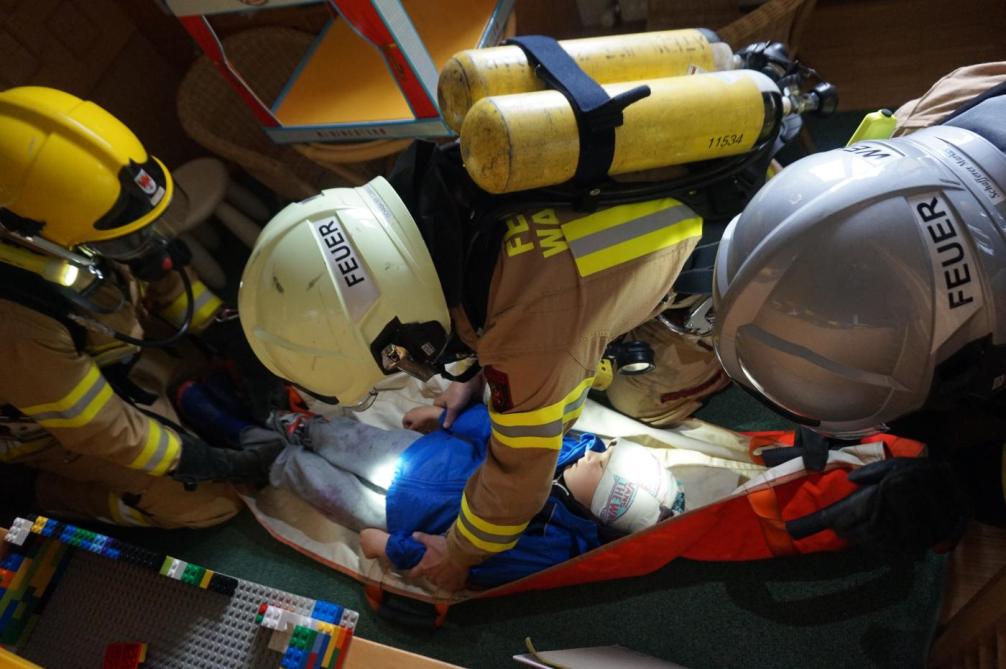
<point x="634" y="489"/>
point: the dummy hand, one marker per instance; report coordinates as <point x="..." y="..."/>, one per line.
<point x="458" y="396"/>
<point x="374" y="543"/>
<point x="437" y="567"/>
<point x="903" y="505"/>
<point x="422" y="419"/>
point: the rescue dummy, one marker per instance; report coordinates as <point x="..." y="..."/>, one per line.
<point x="391" y="484"/>
<point x="88" y="264"/>
<point x="432" y="274"/>
<point x="861" y="290"/>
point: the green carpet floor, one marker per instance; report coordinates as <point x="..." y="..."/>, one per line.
<point x="827" y="610"/>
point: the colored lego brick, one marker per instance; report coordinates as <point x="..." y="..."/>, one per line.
<point x="192" y="574"/>
<point x="331" y="654"/>
<point x="272" y="617"/>
<point x="177" y="568"/>
<point x="204" y="582"/>
<point x="12" y="562"/>
<point x="225" y="585"/>
<point x="50" y="528"/>
<point x="141" y="557"/>
<point x="293" y="658"/>
<point x="166" y="565"/>
<point x="124" y="655"/>
<point x="18" y="531"/>
<point x="39" y="524"/>
<point x="318" y="651"/>
<point x="302" y="637"/>
<point x="349" y="619"/>
<point x="327" y="611"/>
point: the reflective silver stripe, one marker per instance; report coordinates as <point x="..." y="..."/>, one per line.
<point x="201" y="300"/>
<point x="552" y="429"/>
<point x="503" y="540"/>
<point x="78" y="406"/>
<point x="162" y="448"/>
<point x="629" y="230"/>
<point x="576" y="404"/>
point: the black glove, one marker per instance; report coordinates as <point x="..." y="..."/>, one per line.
<point x="201" y="462"/>
<point x="903" y="505"/>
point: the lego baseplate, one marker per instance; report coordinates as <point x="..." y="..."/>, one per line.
<point x="187" y="616"/>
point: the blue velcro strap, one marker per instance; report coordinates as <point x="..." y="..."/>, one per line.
<point x="597" y="114"/>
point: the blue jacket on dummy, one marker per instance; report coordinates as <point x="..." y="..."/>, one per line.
<point x="425" y="496"/>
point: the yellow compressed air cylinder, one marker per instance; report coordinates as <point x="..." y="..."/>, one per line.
<point x="472" y="75"/>
<point x="530" y="140"/>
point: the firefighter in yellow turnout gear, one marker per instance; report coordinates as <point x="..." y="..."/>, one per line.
<point x="563" y="284"/>
<point x="354" y="284"/>
<point x="83" y="212"/>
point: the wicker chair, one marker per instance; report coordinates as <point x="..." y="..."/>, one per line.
<point x="215" y="117"/>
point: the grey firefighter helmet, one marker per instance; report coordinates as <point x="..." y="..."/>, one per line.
<point x="859" y="282"/>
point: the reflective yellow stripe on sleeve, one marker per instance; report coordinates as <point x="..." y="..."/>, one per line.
<point x="485" y="535"/>
<point x="76" y="408"/>
<point x="111" y="352"/>
<point x="625" y="232"/>
<point x="160" y="450"/>
<point x="205" y="305"/>
<point x="541" y="428"/>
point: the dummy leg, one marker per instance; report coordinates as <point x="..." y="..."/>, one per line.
<point x="343" y="469"/>
<point x="340" y="495"/>
<point x="366" y="451"/>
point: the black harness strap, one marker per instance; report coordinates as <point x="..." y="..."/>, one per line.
<point x="32" y="291"/>
<point x="993" y="92"/>
<point x="597" y="114"/>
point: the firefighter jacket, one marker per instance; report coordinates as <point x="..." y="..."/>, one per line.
<point x="426" y="493"/>
<point x="947" y="95"/>
<point x="55" y="388"/>
<point x="563" y="285"/>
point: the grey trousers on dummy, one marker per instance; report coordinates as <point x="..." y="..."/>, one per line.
<point x="342" y="468"/>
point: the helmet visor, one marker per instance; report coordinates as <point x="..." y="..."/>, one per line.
<point x="141" y="242"/>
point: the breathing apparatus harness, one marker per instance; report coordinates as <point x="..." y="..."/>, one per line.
<point x="460" y="222"/>
<point x="43" y="282"/>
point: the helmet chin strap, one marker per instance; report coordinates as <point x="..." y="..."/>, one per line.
<point x="365" y="403"/>
<point x="48" y="248"/>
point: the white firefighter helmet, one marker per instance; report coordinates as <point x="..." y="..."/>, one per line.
<point x="335" y="279"/>
<point x="861" y="283"/>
